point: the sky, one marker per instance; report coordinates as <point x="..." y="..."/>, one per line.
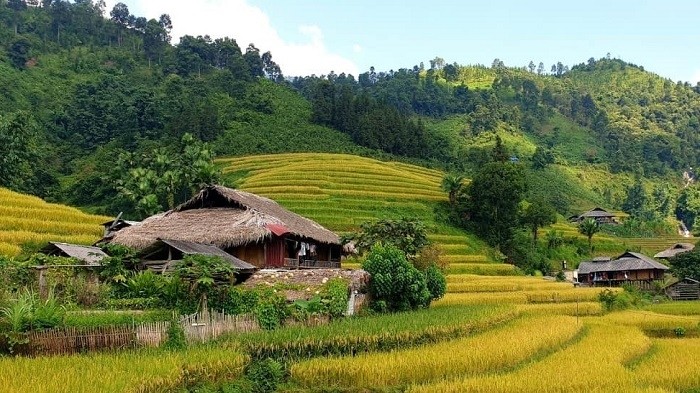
<point x="318" y="36"/>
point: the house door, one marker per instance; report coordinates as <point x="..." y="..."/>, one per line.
<point x="274" y="253"/>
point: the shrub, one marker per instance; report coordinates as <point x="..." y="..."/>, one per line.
<point x="334" y="297"/>
<point x="271" y="310"/>
<point x="265" y="375"/>
<point x="429" y="256"/>
<point x="436" y="282"/>
<point x="176" y="336"/>
<point x="146" y="284"/>
<point x="395" y="284"/>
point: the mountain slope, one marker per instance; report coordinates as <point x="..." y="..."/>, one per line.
<point x="341" y="191"/>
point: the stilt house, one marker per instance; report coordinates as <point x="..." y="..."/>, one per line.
<point x="252" y="228"/>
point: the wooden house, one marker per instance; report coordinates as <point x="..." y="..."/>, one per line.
<point x="674" y="250"/>
<point x="629" y="268"/>
<point x="252" y="228"/>
<point x="685" y="289"/>
<point x="600" y="215"/>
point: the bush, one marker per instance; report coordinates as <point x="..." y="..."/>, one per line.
<point x="395" y="284"/>
<point x="265" y="375"/>
<point x="176" y="336"/>
<point x="436" y="282"/>
<point x="334" y="298"/>
<point x="271" y="310"/>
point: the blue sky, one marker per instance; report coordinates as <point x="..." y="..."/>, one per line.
<point x="312" y="36"/>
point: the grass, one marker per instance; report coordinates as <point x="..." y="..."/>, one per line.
<point x="27" y="221"/>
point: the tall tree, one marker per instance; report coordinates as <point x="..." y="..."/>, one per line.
<point x="636" y="199"/>
<point x="121" y="16"/>
<point x="499" y="152"/>
<point x="254" y="61"/>
<point x="493" y="199"/>
<point x="19" y="150"/>
<point x="537" y="215"/>
<point x="531" y="66"/>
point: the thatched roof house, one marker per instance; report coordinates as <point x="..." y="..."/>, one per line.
<point x="674" y="250"/>
<point x="629" y="267"/>
<point x="253" y="228"/>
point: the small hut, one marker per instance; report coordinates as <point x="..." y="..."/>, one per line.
<point x="685" y="289"/>
<point x="674" y="250"/>
<point x="164" y="254"/>
<point x="252" y="228"/>
<point x="600" y="215"/>
<point x="88" y="255"/>
<point x="629" y="268"/>
<point x="88" y="260"/>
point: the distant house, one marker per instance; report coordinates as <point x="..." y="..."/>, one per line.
<point x="628" y="268"/>
<point x="601" y="216"/>
<point x="674" y="250"/>
<point x="685" y="289"/>
<point x="252" y="228"/>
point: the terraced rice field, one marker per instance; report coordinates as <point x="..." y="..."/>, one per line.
<point x="562" y="341"/>
<point x="26" y="219"/>
<point x="342" y="191"/>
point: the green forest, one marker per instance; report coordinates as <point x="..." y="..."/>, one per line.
<point x="99" y="107"/>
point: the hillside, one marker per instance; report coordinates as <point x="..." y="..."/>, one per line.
<point x="341" y="191"/>
<point x="96" y="98"/>
<point x="29" y="222"/>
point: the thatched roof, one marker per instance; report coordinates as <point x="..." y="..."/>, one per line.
<point x="628" y="261"/>
<point x="675" y="249"/>
<point x="90" y="255"/>
<point x="225" y="218"/>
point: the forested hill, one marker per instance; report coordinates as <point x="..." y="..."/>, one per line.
<point x="90" y="94"/>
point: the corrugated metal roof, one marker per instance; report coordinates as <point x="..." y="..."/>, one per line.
<point x="597" y="212"/>
<point x="626" y="262"/>
<point x="88" y="254"/>
<point x="189" y="248"/>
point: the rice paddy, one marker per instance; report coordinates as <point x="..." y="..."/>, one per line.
<point x="27" y="220"/>
<point x="562" y="341"/>
<point x="342" y="191"/>
<point x="144" y="371"/>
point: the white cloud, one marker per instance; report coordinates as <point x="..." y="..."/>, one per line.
<point x="357" y="48"/>
<point x="246" y="24"/>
